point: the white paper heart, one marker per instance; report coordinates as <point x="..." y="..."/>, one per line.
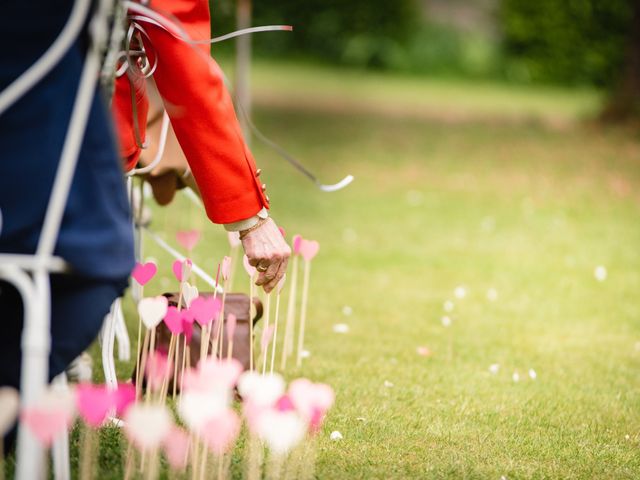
<point x="195" y="408"/>
<point x="281" y="430"/>
<point x="9" y="406"/>
<point x="261" y="390"/>
<point x="152" y="310"/>
<point x="189" y="293"/>
<point x="147" y="425"/>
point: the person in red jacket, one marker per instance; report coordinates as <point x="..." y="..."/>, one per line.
<point x="202" y="115"/>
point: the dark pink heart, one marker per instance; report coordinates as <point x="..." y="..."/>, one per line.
<point x="143" y="272"/>
<point x="173" y="320"/>
<point x="123" y="397"/>
<point x="94" y="403"/>
<point x="188" y="238"/>
<point x="205" y="309"/>
<point x="180" y="267"/>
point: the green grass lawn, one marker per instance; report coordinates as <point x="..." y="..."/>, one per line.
<point x="520" y="207"/>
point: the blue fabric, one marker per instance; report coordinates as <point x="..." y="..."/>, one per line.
<point x="96" y="235"/>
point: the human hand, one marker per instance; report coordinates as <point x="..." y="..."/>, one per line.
<point x="267" y="250"/>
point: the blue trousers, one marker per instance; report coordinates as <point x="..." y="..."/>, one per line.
<point x="78" y="307"/>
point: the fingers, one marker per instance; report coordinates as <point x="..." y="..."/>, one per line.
<point x="282" y="269"/>
<point x="266" y="248"/>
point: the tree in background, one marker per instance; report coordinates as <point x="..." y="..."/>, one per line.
<point x="624" y="102"/>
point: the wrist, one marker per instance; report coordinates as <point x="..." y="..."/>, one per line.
<point x="247" y="223"/>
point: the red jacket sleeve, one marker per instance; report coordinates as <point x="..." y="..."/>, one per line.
<point x="122" y="108"/>
<point x="202" y="114"/>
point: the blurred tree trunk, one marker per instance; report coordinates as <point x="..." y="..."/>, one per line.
<point x="624" y="103"/>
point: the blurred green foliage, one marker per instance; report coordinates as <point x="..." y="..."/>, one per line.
<point x="564" y="41"/>
<point x="549" y="41"/>
<point x="358" y="32"/>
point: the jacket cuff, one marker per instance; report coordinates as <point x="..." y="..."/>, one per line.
<point x="247" y="223"/>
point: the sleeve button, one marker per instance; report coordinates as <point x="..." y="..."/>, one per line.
<point x="258" y="172"/>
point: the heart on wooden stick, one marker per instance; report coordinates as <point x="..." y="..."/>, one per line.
<point x="309" y="249"/>
<point x="143" y="272"/>
<point x="152" y="310"/>
<point x="205" y="309"/>
<point x="188" y="238"/>
<point x="147" y="426"/>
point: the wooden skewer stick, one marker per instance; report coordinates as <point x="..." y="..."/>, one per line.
<point x="265" y="348"/>
<point x="251" y="307"/>
<point x="275" y="332"/>
<point x="287" y="346"/>
<point x="303" y="311"/>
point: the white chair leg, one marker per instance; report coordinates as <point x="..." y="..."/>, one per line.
<point x="60" y="448"/>
<point x="107" y="340"/>
<point x="122" y="335"/>
<point x="35" y="356"/>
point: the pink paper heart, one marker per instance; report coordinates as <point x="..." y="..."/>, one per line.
<point x="312" y="400"/>
<point x="187" y="329"/>
<point x="94" y="403"/>
<point x="123" y="397"/>
<point x="221" y="431"/>
<point x="46" y="424"/>
<point x="176" y="448"/>
<point x="296" y="242"/>
<point x="225" y="268"/>
<point x="188" y="238"/>
<point x="143" y="272"/>
<point x="251" y="271"/>
<point x="205" y="309"/>
<point x="309" y="249"/>
<point x="182" y="269"/>
<point x="214" y="374"/>
<point x="231" y="325"/>
<point x="267" y="334"/>
<point x="158" y="368"/>
<point x="234" y="239"/>
<point x="173" y="320"/>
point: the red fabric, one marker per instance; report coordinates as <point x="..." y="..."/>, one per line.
<point x="201" y="113"/>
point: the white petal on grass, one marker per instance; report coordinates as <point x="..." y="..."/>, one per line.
<point x="388" y="384"/>
<point x="361" y="419"/>
<point x="448" y="306"/>
<point x="494" y="368"/>
<point x="347" y="310"/>
<point x="446" y="321"/>
<point x="341" y="328"/>
<point x="492" y="294"/>
<point x="460" y="292"/>
<point x="600" y="273"/>
<point x="305" y="353"/>
<point x="627" y="437"/>
<point x="516" y="377"/>
<point x="335" y="435"/>
<point x="532" y="374"/>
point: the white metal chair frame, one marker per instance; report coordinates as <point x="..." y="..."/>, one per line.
<point x="30" y="273"/>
